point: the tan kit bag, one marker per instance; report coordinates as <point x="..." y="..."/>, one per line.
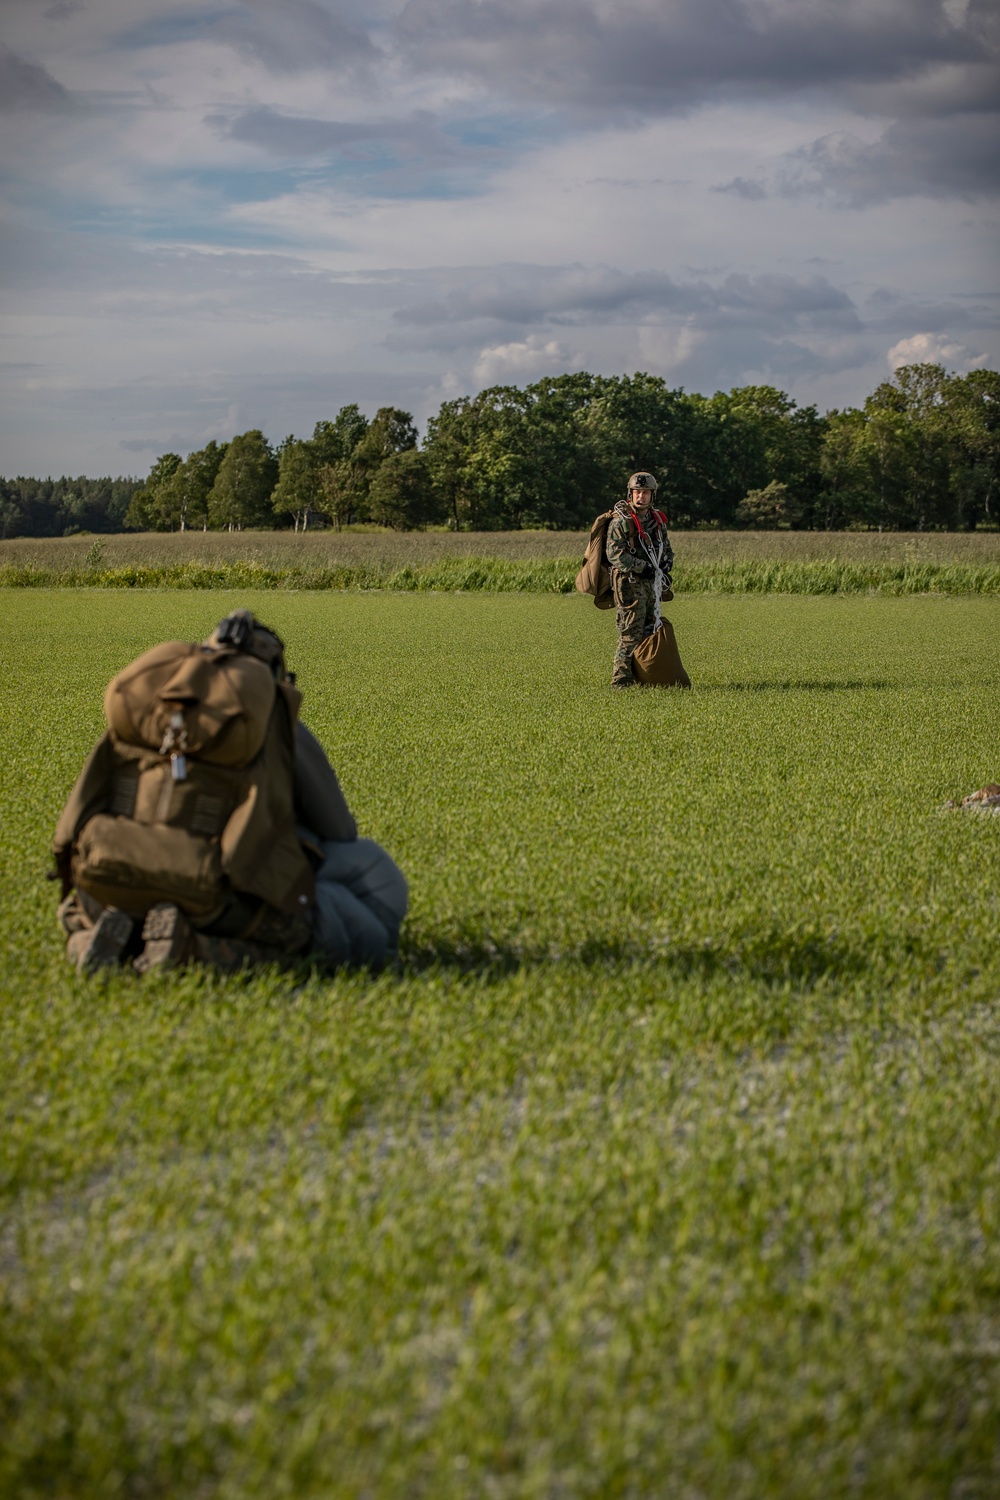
<point x="656" y="661"/>
<point x="189" y="795"/>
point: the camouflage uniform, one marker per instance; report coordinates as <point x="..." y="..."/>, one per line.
<point x="633" y="580"/>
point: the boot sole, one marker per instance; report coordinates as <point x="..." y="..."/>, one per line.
<point x="107" y="943"/>
<point x="167" y="939"/>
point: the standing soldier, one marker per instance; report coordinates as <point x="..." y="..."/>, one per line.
<point x="641" y="561"/>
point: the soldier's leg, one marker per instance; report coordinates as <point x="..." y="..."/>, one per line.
<point x="648" y="591"/>
<point x="78" y="912"/>
<point x="170" y="941"/>
<point x="71" y="915"/>
<point x="232" y="954"/>
<point x="630" y="619"/>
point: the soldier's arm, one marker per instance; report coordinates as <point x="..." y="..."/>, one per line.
<point x="320" y="805"/>
<point x="619" y="547"/>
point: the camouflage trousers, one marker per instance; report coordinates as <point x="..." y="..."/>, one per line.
<point x="635" y="617"/>
<point x="361" y="900"/>
<point x="270" y="937"/>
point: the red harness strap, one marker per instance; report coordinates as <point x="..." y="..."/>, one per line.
<point x="661" y="520"/>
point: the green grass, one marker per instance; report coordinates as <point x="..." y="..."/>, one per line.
<point x="388" y="551"/>
<point x="501" y="576"/>
<point x="667" y="1164"/>
<point x="505" y="562"/>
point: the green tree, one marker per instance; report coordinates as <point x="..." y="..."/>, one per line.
<point x="298" y="482"/>
<point x="494" y="466"/>
<point x="445" y="446"/>
<point x="390" y="431"/>
<point x="973" y="415"/>
<point x="760" y="436"/>
<point x="846" y="496"/>
<point x="638" y="422"/>
<point x="771" y="508"/>
<point x="512" y="458"/>
<point x="906" y="443"/>
<point x="241" y="495"/>
<point x="402" y="494"/>
<point x="347" y="482"/>
<point x="11" y="511"/>
<point x="185" y="494"/>
<point x="342" y="479"/>
<point x="334" y="441"/>
<point x="559" y="475"/>
<point x="886" y="447"/>
<point x="149" y="508"/>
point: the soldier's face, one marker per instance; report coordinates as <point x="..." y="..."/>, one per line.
<point x="642" y="499"/>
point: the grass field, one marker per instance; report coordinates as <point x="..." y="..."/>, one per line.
<point x="394" y="549"/>
<point x="732" y="562"/>
<point x="667" y="1163"/>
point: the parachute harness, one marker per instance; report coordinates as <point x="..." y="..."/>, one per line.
<point x="654" y="552"/>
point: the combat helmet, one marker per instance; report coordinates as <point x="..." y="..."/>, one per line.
<point x="641" y="481"/>
<point x="242" y="631"/>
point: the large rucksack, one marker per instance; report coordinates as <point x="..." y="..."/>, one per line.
<point x="189" y="796"/>
<point x="594" y="576"/>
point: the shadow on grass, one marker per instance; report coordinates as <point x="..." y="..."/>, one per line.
<point x="789" y="685"/>
<point x="773" y="958"/>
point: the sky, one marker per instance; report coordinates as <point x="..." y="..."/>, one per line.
<point x="224" y="214"/>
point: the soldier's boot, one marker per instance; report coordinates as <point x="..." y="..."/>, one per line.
<point x="103" y="945"/>
<point x="167" y="937"/>
<point x="623" y="682"/>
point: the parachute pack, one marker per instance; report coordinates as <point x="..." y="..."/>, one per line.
<point x="594" y="576"/>
<point x="189" y="795"/>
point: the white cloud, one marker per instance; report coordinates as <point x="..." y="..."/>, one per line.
<point x="667" y="350"/>
<point x="251" y="212"/>
<point x="527" y="359"/>
<point x="933" y="349"/>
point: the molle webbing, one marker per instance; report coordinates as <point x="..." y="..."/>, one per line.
<point x="190" y="796"/>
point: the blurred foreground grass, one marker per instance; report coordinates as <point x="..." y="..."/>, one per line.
<point x="667" y="1165"/>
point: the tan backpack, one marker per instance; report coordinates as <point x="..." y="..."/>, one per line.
<point x="594" y="576"/>
<point x="189" y="795"/>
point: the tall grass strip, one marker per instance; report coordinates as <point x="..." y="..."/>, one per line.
<point x="503" y="576"/>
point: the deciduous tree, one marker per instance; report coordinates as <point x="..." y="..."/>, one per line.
<point x="298" y="482"/>
<point x="149" y="507"/>
<point x="241" y="495"/>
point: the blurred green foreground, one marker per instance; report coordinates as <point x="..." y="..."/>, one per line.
<point x="667" y="1165"/>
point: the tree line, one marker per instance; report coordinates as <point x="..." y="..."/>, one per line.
<point x="62" y="507"/>
<point x="922" y="453"/>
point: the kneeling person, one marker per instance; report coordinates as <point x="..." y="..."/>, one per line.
<point x="207" y="823"/>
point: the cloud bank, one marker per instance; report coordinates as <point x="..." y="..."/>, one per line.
<point x="245" y="210"/>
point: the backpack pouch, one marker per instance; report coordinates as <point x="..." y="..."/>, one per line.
<point x="133" y="866"/>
